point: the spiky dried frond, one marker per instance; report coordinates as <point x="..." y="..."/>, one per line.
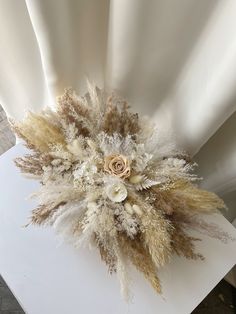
<point x="117" y="119"/>
<point x="183" y="244"/>
<point x="39" y="132"/>
<point x="183" y="196"/>
<point x="192" y="198"/>
<point x="109" y="259"/>
<point x="141" y="259"/>
<point x="190" y="221"/>
<point x="33" y="164"/>
<point x="43" y="212"/>
<point x="74" y="111"/>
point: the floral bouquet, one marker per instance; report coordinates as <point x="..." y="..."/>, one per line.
<point x="109" y="180"/>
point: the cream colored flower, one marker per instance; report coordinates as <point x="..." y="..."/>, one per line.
<point x="116" y="192"/>
<point x="117" y="165"/>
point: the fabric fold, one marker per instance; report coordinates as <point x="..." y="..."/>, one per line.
<point x="172" y="60"/>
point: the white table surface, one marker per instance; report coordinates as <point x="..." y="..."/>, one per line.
<point x="48" y="278"/>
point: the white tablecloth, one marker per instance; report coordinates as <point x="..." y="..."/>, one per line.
<point x="52" y="278"/>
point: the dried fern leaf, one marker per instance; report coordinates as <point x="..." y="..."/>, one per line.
<point x="145" y="184"/>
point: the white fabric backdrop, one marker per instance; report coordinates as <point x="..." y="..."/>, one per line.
<point x="173" y="59"/>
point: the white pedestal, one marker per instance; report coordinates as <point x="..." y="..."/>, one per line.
<point x="48" y="278"/>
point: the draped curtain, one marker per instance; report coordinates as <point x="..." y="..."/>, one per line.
<point x="172" y="59"/>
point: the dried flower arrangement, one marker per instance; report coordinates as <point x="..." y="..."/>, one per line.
<point x="108" y="180"/>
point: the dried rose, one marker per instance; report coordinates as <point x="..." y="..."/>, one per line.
<point x="117" y="165"/>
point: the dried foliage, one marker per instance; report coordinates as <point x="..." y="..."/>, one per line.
<point x="110" y="181"/>
<point x="183" y="244"/>
<point x="141" y="259"/>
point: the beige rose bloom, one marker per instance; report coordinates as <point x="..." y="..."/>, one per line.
<point x="117" y="165"/>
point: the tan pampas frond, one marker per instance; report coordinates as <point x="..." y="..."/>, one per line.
<point x="43" y="212"/>
<point x="155" y="231"/>
<point x="183" y="244"/>
<point x="196" y="199"/>
<point x="119" y="120"/>
<point x="110" y="181"/>
<point x="184" y="196"/>
<point x="33" y="164"/>
<point x="141" y="259"/>
<point x="73" y="111"/>
<point x="189" y="221"/>
<point x="109" y="259"/>
<point x="39" y="132"/>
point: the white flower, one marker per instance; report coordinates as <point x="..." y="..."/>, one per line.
<point x="86" y="169"/>
<point x="116" y="192"/>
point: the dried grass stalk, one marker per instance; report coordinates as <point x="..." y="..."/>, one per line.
<point x="156" y="231"/>
<point x="72" y="110"/>
<point x="141" y="259"/>
<point x="33" y="164"/>
<point x="39" y="133"/>
<point x="109" y="259"/>
<point x="195" y="222"/>
<point x="184" y="196"/>
<point x="183" y="244"/>
<point x="119" y="120"/>
<point x="43" y="212"/>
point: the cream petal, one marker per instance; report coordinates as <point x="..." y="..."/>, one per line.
<point x="137" y="210"/>
<point x="116" y="192"/>
<point x="136" y="179"/>
<point x="128" y="208"/>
